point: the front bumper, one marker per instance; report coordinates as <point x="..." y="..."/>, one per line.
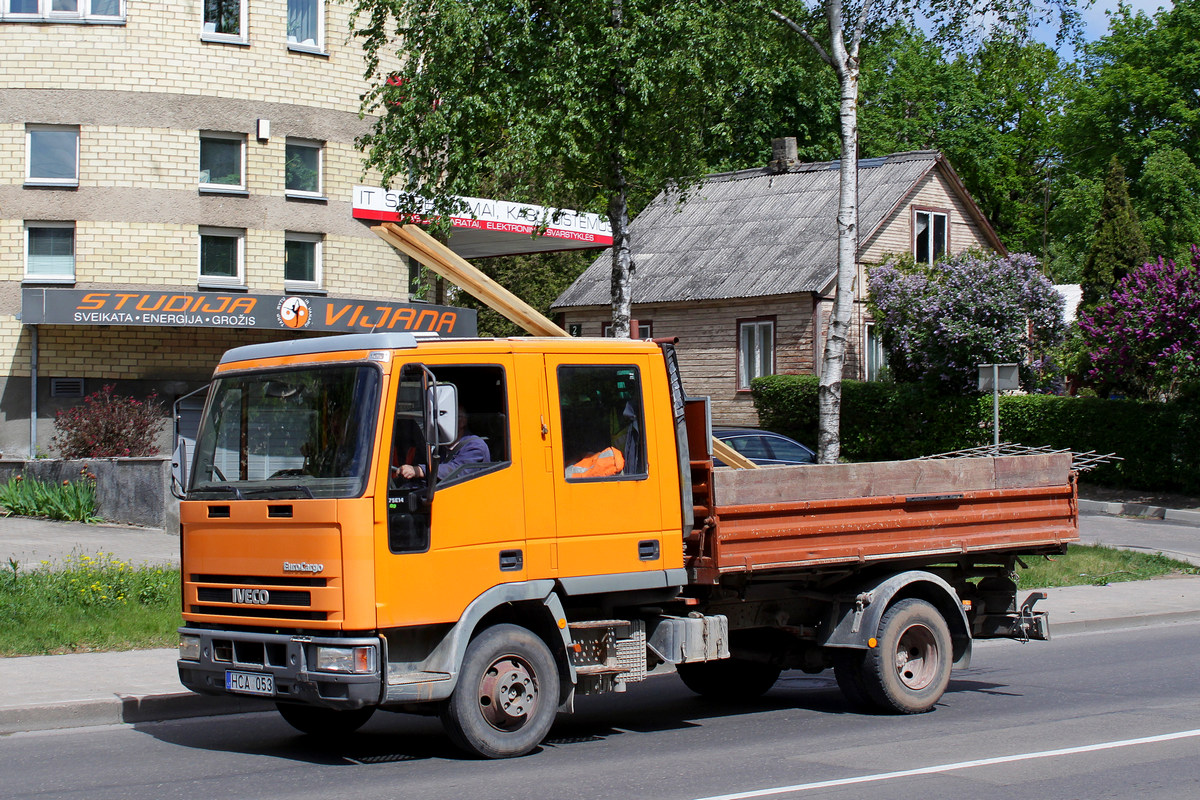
<point x="289" y="659"/>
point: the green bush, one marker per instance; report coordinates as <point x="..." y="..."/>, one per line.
<point x="70" y="500"/>
<point x="1158" y="442"/>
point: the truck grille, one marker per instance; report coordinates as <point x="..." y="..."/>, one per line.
<point x="262" y="598"/>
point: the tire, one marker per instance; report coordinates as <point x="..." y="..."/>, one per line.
<point x="324" y="723"/>
<point x="848" y="669"/>
<point x="728" y="678"/>
<point x="507" y="694"/>
<point x="909" y="669"/>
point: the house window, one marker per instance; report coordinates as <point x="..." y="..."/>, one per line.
<point x="306" y="25"/>
<point x="50" y="252"/>
<point x="63" y="10"/>
<point x="645" y="330"/>
<point x="930" y="232"/>
<point x="224" y="21"/>
<point x="756" y="350"/>
<point x="52" y="155"/>
<point x="302" y="261"/>
<point x="302" y="168"/>
<point x="222" y="162"/>
<point x="875" y="357"/>
<point x="222" y="256"/>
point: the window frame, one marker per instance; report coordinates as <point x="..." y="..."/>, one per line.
<point x="299" y="47"/>
<point x="305" y="194"/>
<point x="743" y="382"/>
<point x="209" y="187"/>
<point x="874" y="356"/>
<point x="644" y="326"/>
<point x="318" y="242"/>
<point x="569" y="436"/>
<point x="84" y="13"/>
<point x="931" y="230"/>
<point x="237" y="281"/>
<point x="31" y="180"/>
<point x="241" y="37"/>
<point x="33" y="277"/>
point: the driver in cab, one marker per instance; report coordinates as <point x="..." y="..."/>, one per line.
<point x="466" y="449"/>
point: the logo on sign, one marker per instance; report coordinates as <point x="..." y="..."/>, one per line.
<point x="294" y="312"/>
<point x="251" y="597"/>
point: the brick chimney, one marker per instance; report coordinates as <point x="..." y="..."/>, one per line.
<point x="783" y="154"/>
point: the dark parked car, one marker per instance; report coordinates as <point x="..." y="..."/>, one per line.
<point x="763" y="447"/>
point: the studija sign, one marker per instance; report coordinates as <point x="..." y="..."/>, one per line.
<point x="226" y="310"/>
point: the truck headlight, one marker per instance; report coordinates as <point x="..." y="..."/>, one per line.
<point x="189" y="648"/>
<point x="351" y="660"/>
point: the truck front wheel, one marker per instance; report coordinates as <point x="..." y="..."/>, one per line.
<point x="728" y="678"/>
<point x="507" y="694"/>
<point x="326" y="723"/>
<point x="909" y="668"/>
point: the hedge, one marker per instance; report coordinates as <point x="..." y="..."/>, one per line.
<point x="1159" y="442"/>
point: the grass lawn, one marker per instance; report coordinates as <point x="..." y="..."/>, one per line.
<point x="89" y="603"/>
<point x="101" y="603"/>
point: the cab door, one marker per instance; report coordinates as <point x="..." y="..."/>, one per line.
<point x="607" y="488"/>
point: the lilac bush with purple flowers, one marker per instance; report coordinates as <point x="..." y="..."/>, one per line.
<point x="1145" y="339"/>
<point x="939" y="323"/>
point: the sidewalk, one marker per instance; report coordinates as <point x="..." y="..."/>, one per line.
<point x="49" y="692"/>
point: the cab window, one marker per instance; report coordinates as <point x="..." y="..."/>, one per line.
<point x="603" y="436"/>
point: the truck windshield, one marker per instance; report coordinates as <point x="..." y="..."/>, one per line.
<point x="287" y="434"/>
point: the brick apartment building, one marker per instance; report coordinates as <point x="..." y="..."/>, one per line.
<point x="176" y="179"/>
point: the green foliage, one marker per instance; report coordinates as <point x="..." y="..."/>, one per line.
<point x="89" y="603"/>
<point x="70" y="500"/>
<point x="1169" y="204"/>
<point x="1096" y="565"/>
<point x="1158" y="442"/>
<point x="107" y="425"/>
<point x="537" y="279"/>
<point x="1117" y="243"/>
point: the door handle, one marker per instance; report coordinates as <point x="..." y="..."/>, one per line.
<point x="511" y="560"/>
<point x="648" y="550"/>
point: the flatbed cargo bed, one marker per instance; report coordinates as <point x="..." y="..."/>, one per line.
<point x="786" y="519"/>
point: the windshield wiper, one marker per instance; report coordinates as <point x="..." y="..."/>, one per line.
<point x="237" y="493"/>
<point x="291" y="487"/>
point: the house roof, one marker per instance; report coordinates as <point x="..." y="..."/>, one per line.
<point x="757" y="232"/>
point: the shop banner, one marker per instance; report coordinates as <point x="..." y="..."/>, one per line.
<point x="227" y="310"/>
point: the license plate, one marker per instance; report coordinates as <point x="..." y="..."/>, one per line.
<point x="249" y="683"/>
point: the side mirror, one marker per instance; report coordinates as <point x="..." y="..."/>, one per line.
<point x="446" y="397"/>
<point x="179" y="469"/>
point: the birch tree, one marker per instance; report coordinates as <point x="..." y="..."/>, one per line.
<point x="595" y="105"/>
<point x="842" y="27"/>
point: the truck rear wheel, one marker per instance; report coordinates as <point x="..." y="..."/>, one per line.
<point x="507" y="694"/>
<point x="326" y="723"/>
<point x="909" y="669"/>
<point x="728" y="678"/>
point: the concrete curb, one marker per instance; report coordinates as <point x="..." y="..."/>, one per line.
<point x="1059" y="626"/>
<point x="1140" y="511"/>
<point x="122" y="709"/>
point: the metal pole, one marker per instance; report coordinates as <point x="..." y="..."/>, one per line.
<point x="996" y="407"/>
<point x="33" y="389"/>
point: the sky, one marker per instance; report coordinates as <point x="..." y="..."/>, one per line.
<point x="1095" y="20"/>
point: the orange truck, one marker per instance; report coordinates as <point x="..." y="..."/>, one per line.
<point x="487" y="529"/>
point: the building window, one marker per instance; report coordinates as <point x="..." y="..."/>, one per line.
<point x="224" y="21"/>
<point x="50" y="252"/>
<point x="302" y="168"/>
<point x="645" y="330"/>
<point x="306" y="25"/>
<point x="302" y="261"/>
<point x="930" y="234"/>
<point x="222" y="255"/>
<point x="875" y="357"/>
<point x="63" y="10"/>
<point x="52" y="155"/>
<point x="756" y="350"/>
<point x="222" y="162"/>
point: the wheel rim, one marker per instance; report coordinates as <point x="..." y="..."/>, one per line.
<point x="917" y="657"/>
<point x="508" y="693"/>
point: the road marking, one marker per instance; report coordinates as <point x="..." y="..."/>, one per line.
<point x="934" y="770"/>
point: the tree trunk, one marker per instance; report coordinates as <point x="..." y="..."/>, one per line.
<point x="829" y="391"/>
<point x="622" y="264"/>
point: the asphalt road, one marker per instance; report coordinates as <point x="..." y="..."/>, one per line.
<point x="1113" y="715"/>
<point x="1175" y="539"/>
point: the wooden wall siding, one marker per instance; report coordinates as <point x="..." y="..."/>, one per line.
<point x="708" y="348"/>
<point x="895" y="236"/>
